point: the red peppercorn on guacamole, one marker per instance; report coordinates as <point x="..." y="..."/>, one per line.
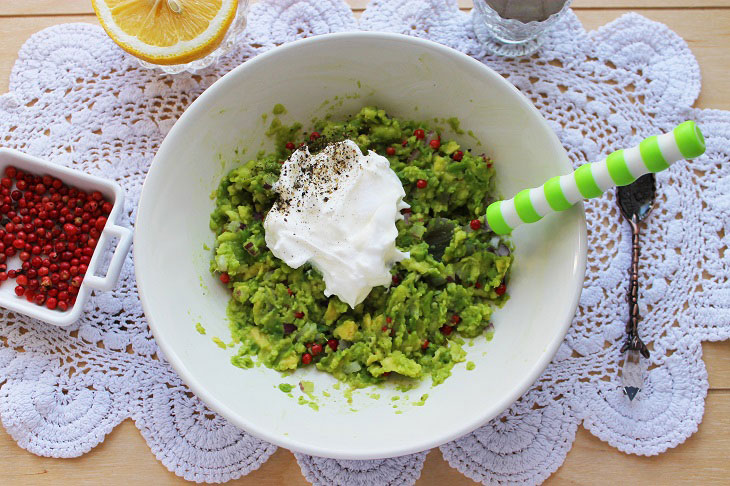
<point x="446" y="290"/>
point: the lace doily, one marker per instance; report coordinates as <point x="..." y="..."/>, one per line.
<point x="78" y="100"/>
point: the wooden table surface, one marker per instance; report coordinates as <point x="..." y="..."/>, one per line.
<point x="124" y="458"/>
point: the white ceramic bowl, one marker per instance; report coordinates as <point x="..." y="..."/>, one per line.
<point x="118" y="237"/>
<point x="409" y="78"/>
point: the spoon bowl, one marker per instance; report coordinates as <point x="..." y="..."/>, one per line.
<point x="637" y="199"/>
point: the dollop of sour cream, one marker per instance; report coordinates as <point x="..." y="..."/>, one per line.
<point x="337" y="210"/>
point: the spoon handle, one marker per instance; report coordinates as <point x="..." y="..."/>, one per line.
<point x="620" y="168"/>
<point x="632" y="333"/>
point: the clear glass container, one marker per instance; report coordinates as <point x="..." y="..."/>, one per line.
<point x="228" y="42"/>
<point x="514" y="28"/>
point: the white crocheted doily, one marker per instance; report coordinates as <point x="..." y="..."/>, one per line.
<point x="78" y="100"/>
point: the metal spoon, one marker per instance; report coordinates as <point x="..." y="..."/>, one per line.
<point x="635" y="201"/>
<point x="633" y="171"/>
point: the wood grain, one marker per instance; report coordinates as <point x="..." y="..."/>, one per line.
<point x="707" y="33"/>
<point x="29" y="8"/>
<point x="717" y="360"/>
<point x="124" y="458"/>
<point x="604" y="4"/>
<point x="16" y="30"/>
<point x="702" y="459"/>
<point x="76" y="7"/>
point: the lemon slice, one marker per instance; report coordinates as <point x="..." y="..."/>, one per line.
<point x="166" y="31"/>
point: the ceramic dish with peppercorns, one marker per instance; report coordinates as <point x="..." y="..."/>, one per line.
<point x="57" y="224"/>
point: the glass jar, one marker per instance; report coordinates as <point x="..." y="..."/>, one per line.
<point x="514" y="28"/>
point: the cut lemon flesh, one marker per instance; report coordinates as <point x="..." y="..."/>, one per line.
<point x="166" y="31"/>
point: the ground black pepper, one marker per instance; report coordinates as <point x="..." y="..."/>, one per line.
<point x="315" y="176"/>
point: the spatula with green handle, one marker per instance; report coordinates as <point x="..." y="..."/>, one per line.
<point x="620" y="168"/>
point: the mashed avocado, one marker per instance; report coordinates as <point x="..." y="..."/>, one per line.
<point x="449" y="286"/>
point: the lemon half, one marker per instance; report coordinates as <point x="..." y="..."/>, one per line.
<point x="166" y="31"/>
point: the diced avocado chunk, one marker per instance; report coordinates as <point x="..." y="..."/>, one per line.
<point x="449" y="147"/>
<point x="346" y="330"/>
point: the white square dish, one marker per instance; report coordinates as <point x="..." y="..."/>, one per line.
<point x="113" y="193"/>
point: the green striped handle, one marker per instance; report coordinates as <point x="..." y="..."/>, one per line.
<point x="620" y="168"/>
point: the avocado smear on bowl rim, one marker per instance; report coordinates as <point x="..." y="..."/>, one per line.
<point x="454" y="279"/>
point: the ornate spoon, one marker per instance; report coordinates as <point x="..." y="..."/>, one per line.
<point x="633" y="171"/>
<point x="635" y="201"/>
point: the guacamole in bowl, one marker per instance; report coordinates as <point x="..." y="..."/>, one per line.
<point x="446" y="291"/>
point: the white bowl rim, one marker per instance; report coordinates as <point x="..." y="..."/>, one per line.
<point x="388" y="450"/>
